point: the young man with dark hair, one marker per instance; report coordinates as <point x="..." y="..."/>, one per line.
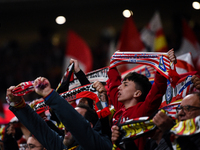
<point x="134" y="97"/>
<point x="142" y="83"/>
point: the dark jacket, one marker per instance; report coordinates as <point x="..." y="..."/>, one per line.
<point x="85" y="136"/>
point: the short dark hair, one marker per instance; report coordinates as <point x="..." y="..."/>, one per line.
<point x="90" y="101"/>
<point x="142" y="83"/>
<point x="90" y="114"/>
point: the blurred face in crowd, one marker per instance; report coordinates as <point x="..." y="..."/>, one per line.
<point x="102" y="97"/>
<point x="189" y="107"/>
<point x="33" y="144"/>
<point x="68" y="139"/>
<point x="83" y="101"/>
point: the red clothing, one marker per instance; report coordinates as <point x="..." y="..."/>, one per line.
<point x="146" y="108"/>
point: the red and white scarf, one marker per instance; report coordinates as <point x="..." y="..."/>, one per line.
<point x="96" y="75"/>
<point x="87" y="91"/>
<point x="23" y="88"/>
<point x="160" y="61"/>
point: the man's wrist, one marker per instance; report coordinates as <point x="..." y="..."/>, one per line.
<point x="20" y="103"/>
<point x="77" y="70"/>
<point x="48" y="95"/>
<point x="46" y="92"/>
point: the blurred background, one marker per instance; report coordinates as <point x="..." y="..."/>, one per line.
<point x="33" y="44"/>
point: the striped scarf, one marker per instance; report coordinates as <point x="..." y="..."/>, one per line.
<point x="160" y="61"/>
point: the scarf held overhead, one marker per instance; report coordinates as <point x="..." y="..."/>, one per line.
<point x="160" y="61"/>
<point x="96" y="75"/>
<point x="67" y="77"/>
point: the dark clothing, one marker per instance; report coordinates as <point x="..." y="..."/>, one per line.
<point x="9" y="141"/>
<point x="191" y="142"/>
<point x="82" y="78"/>
<point x="55" y="128"/>
<point x="164" y="144"/>
<point x="87" y="138"/>
<point x="104" y="121"/>
<point x="39" y="128"/>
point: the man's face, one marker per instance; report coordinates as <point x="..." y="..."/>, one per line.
<point x="126" y="91"/>
<point x="102" y="97"/>
<point x="33" y="144"/>
<point x="68" y="139"/>
<point x="189" y="100"/>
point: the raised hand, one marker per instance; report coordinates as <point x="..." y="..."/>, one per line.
<point x="115" y="133"/>
<point x="196" y="81"/>
<point x="15" y="101"/>
<point x="42" y="86"/>
<point x="172" y="56"/>
<point x="99" y="86"/>
<point x="76" y="65"/>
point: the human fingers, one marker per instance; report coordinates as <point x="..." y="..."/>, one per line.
<point x="115" y="133"/>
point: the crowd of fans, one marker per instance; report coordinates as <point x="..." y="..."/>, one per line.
<point x="89" y="125"/>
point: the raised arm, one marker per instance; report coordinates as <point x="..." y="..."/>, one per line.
<point x="158" y="89"/>
<point x="72" y="120"/>
<point x="79" y="73"/>
<point x="33" y="122"/>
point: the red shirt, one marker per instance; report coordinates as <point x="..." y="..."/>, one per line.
<point x="146" y="108"/>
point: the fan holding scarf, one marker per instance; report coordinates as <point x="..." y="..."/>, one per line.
<point x="134" y="97"/>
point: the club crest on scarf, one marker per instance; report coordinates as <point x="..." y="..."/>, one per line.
<point x="162" y="64"/>
<point x="147" y="73"/>
<point x="183" y="87"/>
<point x="169" y="93"/>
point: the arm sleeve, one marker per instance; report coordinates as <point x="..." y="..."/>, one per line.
<point x="165" y="142"/>
<point x="81" y="129"/>
<point x="114" y="82"/>
<point x="38" y="127"/>
<point x="189" y="142"/>
<point x="82" y="78"/>
<point x="154" y="97"/>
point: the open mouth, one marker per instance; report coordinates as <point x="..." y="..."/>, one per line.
<point x="67" y="133"/>
<point x="119" y="94"/>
